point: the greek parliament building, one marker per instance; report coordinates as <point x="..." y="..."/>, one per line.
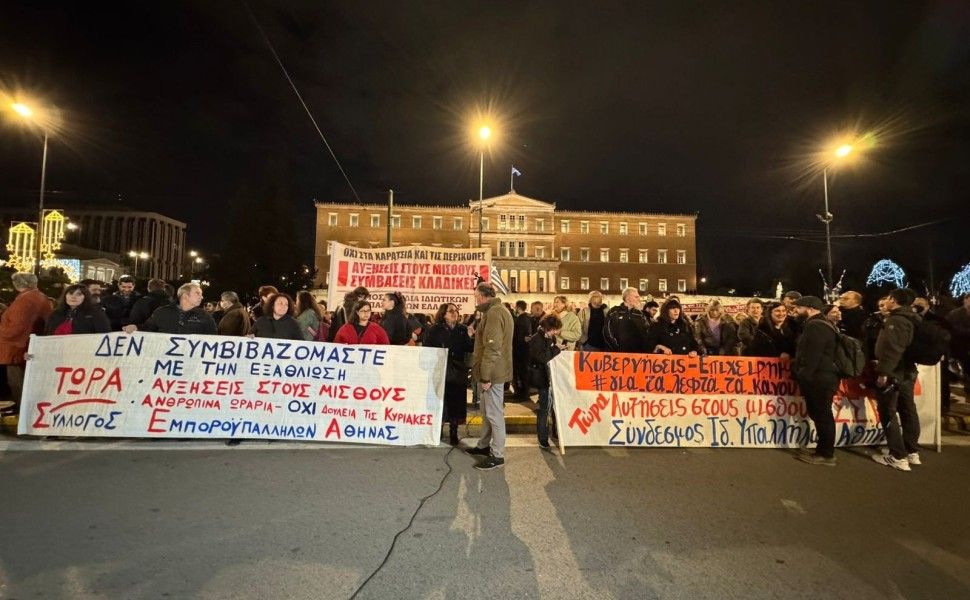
<point x="117" y="231"/>
<point x="535" y="247"/>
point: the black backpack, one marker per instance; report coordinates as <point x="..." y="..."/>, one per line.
<point x="930" y="343"/>
<point x="850" y="356"/>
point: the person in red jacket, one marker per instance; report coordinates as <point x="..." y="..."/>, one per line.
<point x="361" y="330"/>
<point x="26" y="315"/>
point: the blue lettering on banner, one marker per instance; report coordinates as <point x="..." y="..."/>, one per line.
<point x="651" y="434"/>
<point x="371" y="432"/>
<point x="234" y="428"/>
<point x="119" y="345"/>
<point x="276" y="350"/>
<point x="85" y="421"/>
<point x="169" y="367"/>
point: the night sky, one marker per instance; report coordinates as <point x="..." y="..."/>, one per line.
<point x="689" y="107"/>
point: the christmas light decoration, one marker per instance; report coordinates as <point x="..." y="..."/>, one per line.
<point x="886" y="271"/>
<point x="960" y="284"/>
<point x="53" y="233"/>
<point x="20" y="245"/>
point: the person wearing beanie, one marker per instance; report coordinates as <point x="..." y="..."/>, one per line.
<point x="814" y="369"/>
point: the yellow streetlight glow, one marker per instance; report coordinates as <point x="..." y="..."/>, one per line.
<point x="843" y="150"/>
<point x="193" y="253"/>
<point x="485" y="132"/>
<point x="143" y="255"/>
<point x="22" y="109"/>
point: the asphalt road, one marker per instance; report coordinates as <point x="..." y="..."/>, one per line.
<point x="315" y="522"/>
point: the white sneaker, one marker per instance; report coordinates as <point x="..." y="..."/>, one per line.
<point x="889" y="461"/>
<point x="912" y="458"/>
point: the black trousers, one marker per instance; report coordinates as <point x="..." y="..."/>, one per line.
<point x="818" y="395"/>
<point x="520" y="373"/>
<point x="899" y="419"/>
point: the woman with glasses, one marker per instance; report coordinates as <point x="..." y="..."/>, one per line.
<point x="448" y="333"/>
<point x="361" y="330"/>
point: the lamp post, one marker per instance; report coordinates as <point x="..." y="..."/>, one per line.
<point x="840" y="153"/>
<point x="27" y="113"/>
<point x="136" y="256"/>
<point x="484" y="133"/>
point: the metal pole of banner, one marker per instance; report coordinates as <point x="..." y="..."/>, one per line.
<point x="552" y="402"/>
<point x="481" y="190"/>
<point x="939" y="408"/>
<point x="390" y="210"/>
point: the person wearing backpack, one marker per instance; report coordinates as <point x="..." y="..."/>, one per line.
<point x="895" y="380"/>
<point x="818" y="378"/>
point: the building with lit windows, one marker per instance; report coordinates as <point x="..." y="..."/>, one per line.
<point x="536" y="248"/>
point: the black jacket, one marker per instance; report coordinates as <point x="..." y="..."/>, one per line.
<point x="894" y="338"/>
<point x="626" y="329"/>
<point x="282" y="329"/>
<point x="769" y="340"/>
<point x="853" y="321"/>
<point x="172" y="319"/>
<point x="542" y="349"/>
<point x="459" y="346"/>
<point x="677" y="335"/>
<point x="395" y="323"/>
<point x="521" y="330"/>
<point x="146" y="306"/>
<point x="815" y="351"/>
<point x="118" y="308"/>
<point x="340" y="316"/>
<point x="92" y="320"/>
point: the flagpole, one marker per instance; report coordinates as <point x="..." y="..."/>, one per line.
<point x="512" y="179"/>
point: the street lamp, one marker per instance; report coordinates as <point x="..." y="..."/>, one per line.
<point x="840" y="154"/>
<point x="27" y="113"/>
<point x="484" y="133"/>
<point x="136" y="256"/>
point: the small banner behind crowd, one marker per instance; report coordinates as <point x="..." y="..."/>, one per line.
<point x="651" y="400"/>
<point x="170" y="386"/>
<point x="427" y="276"/>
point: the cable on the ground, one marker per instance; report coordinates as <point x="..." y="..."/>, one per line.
<point x="299" y="97"/>
<point x="441" y="485"/>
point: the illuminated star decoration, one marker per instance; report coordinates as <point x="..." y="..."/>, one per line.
<point x="886" y="271"/>
<point x="960" y="284"/>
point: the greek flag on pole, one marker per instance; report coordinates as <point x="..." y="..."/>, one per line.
<point x="516" y="171"/>
<point x="496" y="281"/>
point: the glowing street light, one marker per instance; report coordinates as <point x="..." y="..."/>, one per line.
<point x="136" y="256"/>
<point x="484" y="134"/>
<point x="22" y="109"/>
<point x="841" y="154"/>
<point x="28" y="114"/>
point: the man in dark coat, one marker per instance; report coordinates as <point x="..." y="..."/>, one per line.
<point x="626" y="327"/>
<point x="814" y="369"/>
<point x="522" y="329"/>
<point x="853" y="315"/>
<point x="146" y="305"/>
<point x="118" y="305"/>
<point x="895" y="380"/>
<point x="186" y="317"/>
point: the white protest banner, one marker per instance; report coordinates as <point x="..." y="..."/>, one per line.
<point x="613" y="399"/>
<point x="427" y="276"/>
<point x="171" y="386"/>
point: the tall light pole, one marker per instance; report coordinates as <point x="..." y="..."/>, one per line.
<point x="136" y="256"/>
<point x="840" y="153"/>
<point x="27" y="113"/>
<point x="484" y="133"/>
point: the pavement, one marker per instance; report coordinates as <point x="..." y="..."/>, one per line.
<point x="279" y="520"/>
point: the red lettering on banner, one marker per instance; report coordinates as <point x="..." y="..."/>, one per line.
<point x="41" y="412"/>
<point x="78" y="376"/>
<point x="155" y="419"/>
<point x="334" y="427"/>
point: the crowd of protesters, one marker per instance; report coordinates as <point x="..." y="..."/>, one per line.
<point x="503" y="348"/>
